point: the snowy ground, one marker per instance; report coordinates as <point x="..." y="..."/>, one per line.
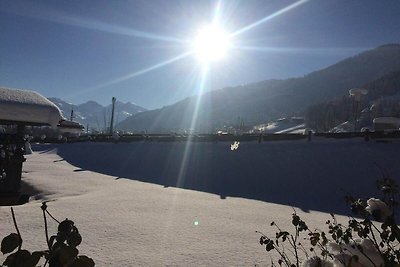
<point x="124" y="200"/>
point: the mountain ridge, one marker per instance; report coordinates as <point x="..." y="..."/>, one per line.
<point x="262" y="101"/>
<point x="95" y="114"/>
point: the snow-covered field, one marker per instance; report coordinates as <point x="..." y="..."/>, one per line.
<point x="124" y="200"/>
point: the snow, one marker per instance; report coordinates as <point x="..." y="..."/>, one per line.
<point x="126" y="113"/>
<point x="284" y="125"/>
<point x="295" y="129"/>
<point x="358" y="91"/>
<point x="343" y="127"/>
<point x="28" y="107"/>
<point x="123" y="200"/>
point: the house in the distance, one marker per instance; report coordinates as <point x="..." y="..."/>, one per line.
<point x="386" y="124"/>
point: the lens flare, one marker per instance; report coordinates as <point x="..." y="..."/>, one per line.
<point x="211" y="44"/>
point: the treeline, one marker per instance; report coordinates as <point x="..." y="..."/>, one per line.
<point x="383" y="99"/>
<point x="324" y="116"/>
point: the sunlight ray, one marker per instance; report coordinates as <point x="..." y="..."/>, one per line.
<point x="115" y="29"/>
<point x="143" y="71"/>
<point x="44" y="13"/>
<point x="303" y="50"/>
<point x="191" y="77"/>
<point x="273" y="15"/>
<point x="135" y="74"/>
<point x="217" y="12"/>
<point x="186" y="154"/>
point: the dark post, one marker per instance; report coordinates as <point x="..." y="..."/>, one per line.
<point x="112" y="115"/>
<point x="72" y="115"/>
<point x="366" y="135"/>
<point x="309" y="136"/>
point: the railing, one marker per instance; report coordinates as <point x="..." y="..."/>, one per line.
<point x="217" y="137"/>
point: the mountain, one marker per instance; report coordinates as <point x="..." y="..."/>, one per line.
<point x="90" y="107"/>
<point x="259" y="102"/>
<point x="96" y="115"/>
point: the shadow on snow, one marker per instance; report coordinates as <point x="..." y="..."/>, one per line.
<point x="310" y="176"/>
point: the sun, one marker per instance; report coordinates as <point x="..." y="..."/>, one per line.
<point x="211" y="44"/>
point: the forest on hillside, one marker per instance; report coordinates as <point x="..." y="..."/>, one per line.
<point x="383" y="99"/>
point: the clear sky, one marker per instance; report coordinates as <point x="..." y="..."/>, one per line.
<point x="81" y="50"/>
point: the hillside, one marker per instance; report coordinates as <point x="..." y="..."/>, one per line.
<point x="263" y="101"/>
<point x="382" y="100"/>
<point x="96" y="115"/>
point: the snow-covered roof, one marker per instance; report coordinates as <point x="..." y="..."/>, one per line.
<point x="70" y="127"/>
<point x="70" y="124"/>
<point x="343" y="127"/>
<point x="358" y="91"/>
<point x="388" y="120"/>
<point x="28" y="107"/>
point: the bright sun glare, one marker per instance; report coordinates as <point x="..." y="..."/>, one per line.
<point x="211" y="44"/>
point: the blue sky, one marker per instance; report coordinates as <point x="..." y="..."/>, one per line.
<point x="92" y="50"/>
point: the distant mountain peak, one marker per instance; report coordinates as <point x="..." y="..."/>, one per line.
<point x="95" y="114"/>
<point x="91" y="102"/>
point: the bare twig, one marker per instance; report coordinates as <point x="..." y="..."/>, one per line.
<point x="44" y="207"/>
<point x="48" y="213"/>
<point x="16" y="228"/>
<point x="295" y="247"/>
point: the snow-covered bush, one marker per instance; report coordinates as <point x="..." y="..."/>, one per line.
<point x="372" y="238"/>
<point x="61" y="248"/>
<point x="235" y="145"/>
